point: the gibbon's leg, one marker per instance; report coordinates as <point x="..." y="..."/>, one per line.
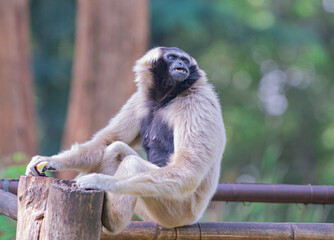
<point x="121" y="161"/>
<point x="113" y="156"/>
<point x="118" y="209"/>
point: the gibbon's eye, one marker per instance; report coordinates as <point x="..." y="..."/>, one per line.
<point x="171" y="57"/>
<point x="185" y="60"/>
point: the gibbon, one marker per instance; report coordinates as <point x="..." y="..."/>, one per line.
<point x="176" y="117"/>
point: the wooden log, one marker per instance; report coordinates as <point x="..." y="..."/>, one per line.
<point x="227" y="231"/>
<point x="32" y="199"/>
<point x="73" y="213"/>
<point x="8" y="204"/>
<point x="143" y="231"/>
<point x="49" y="208"/>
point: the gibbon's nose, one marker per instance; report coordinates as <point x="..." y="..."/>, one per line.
<point x="179" y="63"/>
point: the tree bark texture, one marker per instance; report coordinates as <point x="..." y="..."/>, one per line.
<point x="32" y="199"/>
<point x="17" y="113"/>
<point x="111" y="35"/>
<point x="49" y="208"/>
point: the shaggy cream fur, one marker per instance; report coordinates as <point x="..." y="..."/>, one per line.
<point x="174" y="195"/>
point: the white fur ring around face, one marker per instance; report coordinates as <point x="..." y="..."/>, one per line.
<point x="97" y="181"/>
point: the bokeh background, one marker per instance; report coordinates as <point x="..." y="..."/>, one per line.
<point x="271" y="63"/>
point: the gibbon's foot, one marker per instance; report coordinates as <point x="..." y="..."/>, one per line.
<point x="97" y="181"/>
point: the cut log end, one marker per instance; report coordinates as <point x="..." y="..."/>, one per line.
<point x="49" y="208"/>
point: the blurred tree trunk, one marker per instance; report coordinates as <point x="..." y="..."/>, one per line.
<point x="17" y="114"/>
<point x="111" y="35"/>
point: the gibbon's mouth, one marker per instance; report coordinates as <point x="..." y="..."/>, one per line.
<point x="183" y="70"/>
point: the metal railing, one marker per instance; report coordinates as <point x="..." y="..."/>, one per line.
<point x="236" y="192"/>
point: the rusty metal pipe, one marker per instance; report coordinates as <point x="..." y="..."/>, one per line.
<point x="227" y="230"/>
<point x="9" y="185"/>
<point x="273" y="193"/>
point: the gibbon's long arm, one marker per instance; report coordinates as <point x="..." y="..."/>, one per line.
<point x="84" y="157"/>
<point x="189" y="164"/>
<point x="125" y="125"/>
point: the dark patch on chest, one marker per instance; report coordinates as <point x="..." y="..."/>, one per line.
<point x="157" y="136"/>
<point x="157" y="139"/>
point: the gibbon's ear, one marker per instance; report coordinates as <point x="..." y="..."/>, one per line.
<point x="144" y="63"/>
<point x="143" y="75"/>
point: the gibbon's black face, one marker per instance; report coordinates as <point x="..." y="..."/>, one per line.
<point x="173" y="68"/>
<point x="173" y="73"/>
<point x="178" y="64"/>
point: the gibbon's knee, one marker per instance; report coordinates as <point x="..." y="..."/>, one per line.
<point x="118" y="150"/>
<point x="113" y="156"/>
<point x="131" y="165"/>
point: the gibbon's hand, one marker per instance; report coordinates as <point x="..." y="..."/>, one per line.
<point x="97" y="181"/>
<point x="32" y="170"/>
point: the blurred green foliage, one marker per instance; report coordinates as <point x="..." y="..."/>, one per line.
<point x="7" y="228"/>
<point x="272" y="65"/>
<point x="8" y="225"/>
<point x="52" y="30"/>
<point x="256" y="52"/>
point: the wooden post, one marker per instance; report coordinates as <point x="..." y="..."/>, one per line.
<point x="49" y="208"/>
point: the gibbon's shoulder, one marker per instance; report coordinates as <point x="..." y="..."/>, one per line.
<point x="198" y="102"/>
<point x="203" y="95"/>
